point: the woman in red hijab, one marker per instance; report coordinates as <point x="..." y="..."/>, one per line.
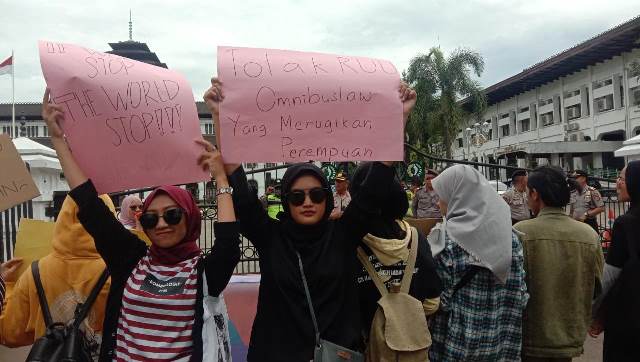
<point x="155" y="304"/>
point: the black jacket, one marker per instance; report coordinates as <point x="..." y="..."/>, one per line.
<point x="283" y="330"/>
<point x="122" y="250"/>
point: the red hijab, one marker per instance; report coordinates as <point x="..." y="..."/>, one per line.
<point x="188" y="247"/>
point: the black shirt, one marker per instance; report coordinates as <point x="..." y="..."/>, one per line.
<point x="283" y="329"/>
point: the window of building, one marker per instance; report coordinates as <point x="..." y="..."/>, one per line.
<point x="634" y="96"/>
<point x="524" y="109"/>
<point x="490" y="134"/>
<point x="544" y="102"/>
<point x="573" y="112"/>
<point x="634" y="72"/>
<point x="547" y="119"/>
<point x="603" y="104"/>
<point x="505" y="130"/>
<point x="602" y="83"/>
<point x="251" y="165"/>
<point x="573" y="93"/>
<point x="459" y="142"/>
<point x="525" y="125"/>
<point x="621" y="93"/>
<point x="504" y="115"/>
<point x="270" y="164"/>
<point x="45" y="131"/>
<point x="208" y="128"/>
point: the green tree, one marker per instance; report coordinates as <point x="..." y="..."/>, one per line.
<point x="441" y="82"/>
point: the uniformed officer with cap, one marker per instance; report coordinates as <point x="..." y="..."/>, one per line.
<point x="341" y="197"/>
<point x="586" y="202"/>
<point x="516" y="197"/>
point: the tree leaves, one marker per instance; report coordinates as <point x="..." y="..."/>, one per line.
<point x="441" y="82"/>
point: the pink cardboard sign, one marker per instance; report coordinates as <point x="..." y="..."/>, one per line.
<point x="288" y="106"/>
<point x="128" y="123"/>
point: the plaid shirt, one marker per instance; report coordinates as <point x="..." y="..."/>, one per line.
<point x="483" y="320"/>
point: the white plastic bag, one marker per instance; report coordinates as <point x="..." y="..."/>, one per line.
<point x="216" y="343"/>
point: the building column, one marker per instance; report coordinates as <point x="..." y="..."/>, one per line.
<point x="597" y="160"/>
<point x="577" y="163"/>
<point x="542" y="161"/>
<point x="503" y="172"/>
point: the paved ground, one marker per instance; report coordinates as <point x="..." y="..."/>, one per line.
<point x="592" y="349"/>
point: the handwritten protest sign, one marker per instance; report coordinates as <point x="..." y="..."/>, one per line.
<point x="16" y="184"/>
<point x="294" y="106"/>
<point x="33" y="241"/>
<point x="128" y="123"/>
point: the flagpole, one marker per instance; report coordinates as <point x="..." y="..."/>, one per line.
<point x="13" y="96"/>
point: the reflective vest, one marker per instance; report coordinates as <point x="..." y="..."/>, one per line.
<point x="274" y="206"/>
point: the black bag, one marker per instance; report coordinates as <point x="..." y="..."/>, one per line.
<point x="64" y="342"/>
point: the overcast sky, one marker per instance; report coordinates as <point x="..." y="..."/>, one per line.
<point x="510" y="34"/>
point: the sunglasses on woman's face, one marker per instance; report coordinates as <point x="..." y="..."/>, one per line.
<point x="316" y="194"/>
<point x="135" y="207"/>
<point x="149" y="220"/>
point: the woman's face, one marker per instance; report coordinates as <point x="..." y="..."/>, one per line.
<point x="309" y="213"/>
<point x="165" y="235"/>
<point x="621" y="187"/>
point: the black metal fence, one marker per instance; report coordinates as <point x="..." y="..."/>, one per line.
<point x="500" y="175"/>
<point x="259" y="178"/>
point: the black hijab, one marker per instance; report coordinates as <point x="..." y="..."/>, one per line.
<point x="305" y="236"/>
<point x="632" y="179"/>
<point x="393" y="208"/>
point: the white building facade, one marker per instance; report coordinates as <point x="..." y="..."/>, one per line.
<point x="572" y="110"/>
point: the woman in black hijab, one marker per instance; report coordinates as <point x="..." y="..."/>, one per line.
<point x="387" y="248"/>
<point x="620" y="312"/>
<point x="283" y="329"/>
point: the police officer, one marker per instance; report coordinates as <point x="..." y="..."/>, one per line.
<point x="274" y="202"/>
<point x="586" y="202"/>
<point x="425" y="201"/>
<point x="516" y="197"/>
<point x="341" y="197"/>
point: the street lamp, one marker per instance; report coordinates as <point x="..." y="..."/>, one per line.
<point x="477" y="134"/>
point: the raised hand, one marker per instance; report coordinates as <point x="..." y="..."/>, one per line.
<point x="52" y="115"/>
<point x="408" y="97"/>
<point x="211" y="160"/>
<point x="213" y="96"/>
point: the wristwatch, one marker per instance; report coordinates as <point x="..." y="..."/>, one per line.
<point x="224" y="190"/>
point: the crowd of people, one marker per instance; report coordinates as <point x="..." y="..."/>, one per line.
<point x="499" y="278"/>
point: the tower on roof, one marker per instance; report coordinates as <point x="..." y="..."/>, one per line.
<point x="135" y="50"/>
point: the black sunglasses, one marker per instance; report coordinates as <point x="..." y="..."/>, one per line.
<point x="149" y="220"/>
<point x="297" y="197"/>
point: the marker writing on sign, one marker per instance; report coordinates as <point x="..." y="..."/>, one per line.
<point x="267" y="98"/>
<point x="264" y="66"/>
<point x="12" y="187"/>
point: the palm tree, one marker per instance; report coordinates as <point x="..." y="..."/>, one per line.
<point x="441" y="83"/>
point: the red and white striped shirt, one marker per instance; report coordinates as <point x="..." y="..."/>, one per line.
<point x="158" y="312"/>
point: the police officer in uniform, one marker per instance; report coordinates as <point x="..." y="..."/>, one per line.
<point x="586" y="201"/>
<point x="516" y="197"/>
<point x="341" y="197"/>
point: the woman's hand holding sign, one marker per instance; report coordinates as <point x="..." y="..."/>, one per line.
<point x="212" y="98"/>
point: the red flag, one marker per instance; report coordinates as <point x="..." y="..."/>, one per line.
<point x="6" y="67"/>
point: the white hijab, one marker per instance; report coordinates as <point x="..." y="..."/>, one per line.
<point x="477" y="218"/>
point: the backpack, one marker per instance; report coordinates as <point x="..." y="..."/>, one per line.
<point x="399" y="331"/>
<point x="64" y="342"/>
